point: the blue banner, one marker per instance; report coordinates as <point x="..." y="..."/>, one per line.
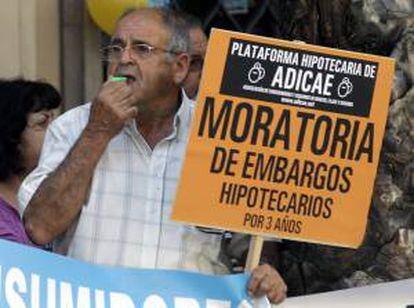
<point x="32" y="278"/>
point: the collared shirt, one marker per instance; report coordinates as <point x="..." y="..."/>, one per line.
<point x="126" y="220"/>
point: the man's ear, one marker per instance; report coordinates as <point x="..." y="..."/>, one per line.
<point x="180" y="68"/>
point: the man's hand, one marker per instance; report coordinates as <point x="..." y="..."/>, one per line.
<point x="265" y="280"/>
<point x="113" y="106"/>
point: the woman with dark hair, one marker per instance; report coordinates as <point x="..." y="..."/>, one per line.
<point x="26" y="109"/>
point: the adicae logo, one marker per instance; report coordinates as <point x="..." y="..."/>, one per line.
<point x="256" y="73"/>
<point x="345" y="87"/>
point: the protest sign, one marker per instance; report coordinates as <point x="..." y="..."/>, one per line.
<point x="33" y="278"/>
<point x="286" y="140"/>
<point x="30" y="277"/>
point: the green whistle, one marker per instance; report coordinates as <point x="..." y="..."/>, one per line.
<point x="118" y="78"/>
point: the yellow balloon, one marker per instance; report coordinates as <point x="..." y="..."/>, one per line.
<point x="105" y="13"/>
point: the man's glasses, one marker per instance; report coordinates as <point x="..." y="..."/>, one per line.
<point x="136" y="51"/>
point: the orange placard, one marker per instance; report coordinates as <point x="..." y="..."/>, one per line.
<point x="286" y="140"/>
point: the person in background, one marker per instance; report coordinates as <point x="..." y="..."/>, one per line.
<point x="26" y="109"/>
<point x="198" y="46"/>
<point x="104" y="190"/>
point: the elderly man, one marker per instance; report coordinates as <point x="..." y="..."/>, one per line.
<point x="198" y="46"/>
<point x="108" y="171"/>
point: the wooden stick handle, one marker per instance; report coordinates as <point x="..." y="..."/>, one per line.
<point x="255" y="250"/>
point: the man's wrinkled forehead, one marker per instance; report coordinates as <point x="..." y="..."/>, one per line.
<point x="141" y="24"/>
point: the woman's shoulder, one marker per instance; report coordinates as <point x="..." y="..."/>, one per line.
<point x="11" y="227"/>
